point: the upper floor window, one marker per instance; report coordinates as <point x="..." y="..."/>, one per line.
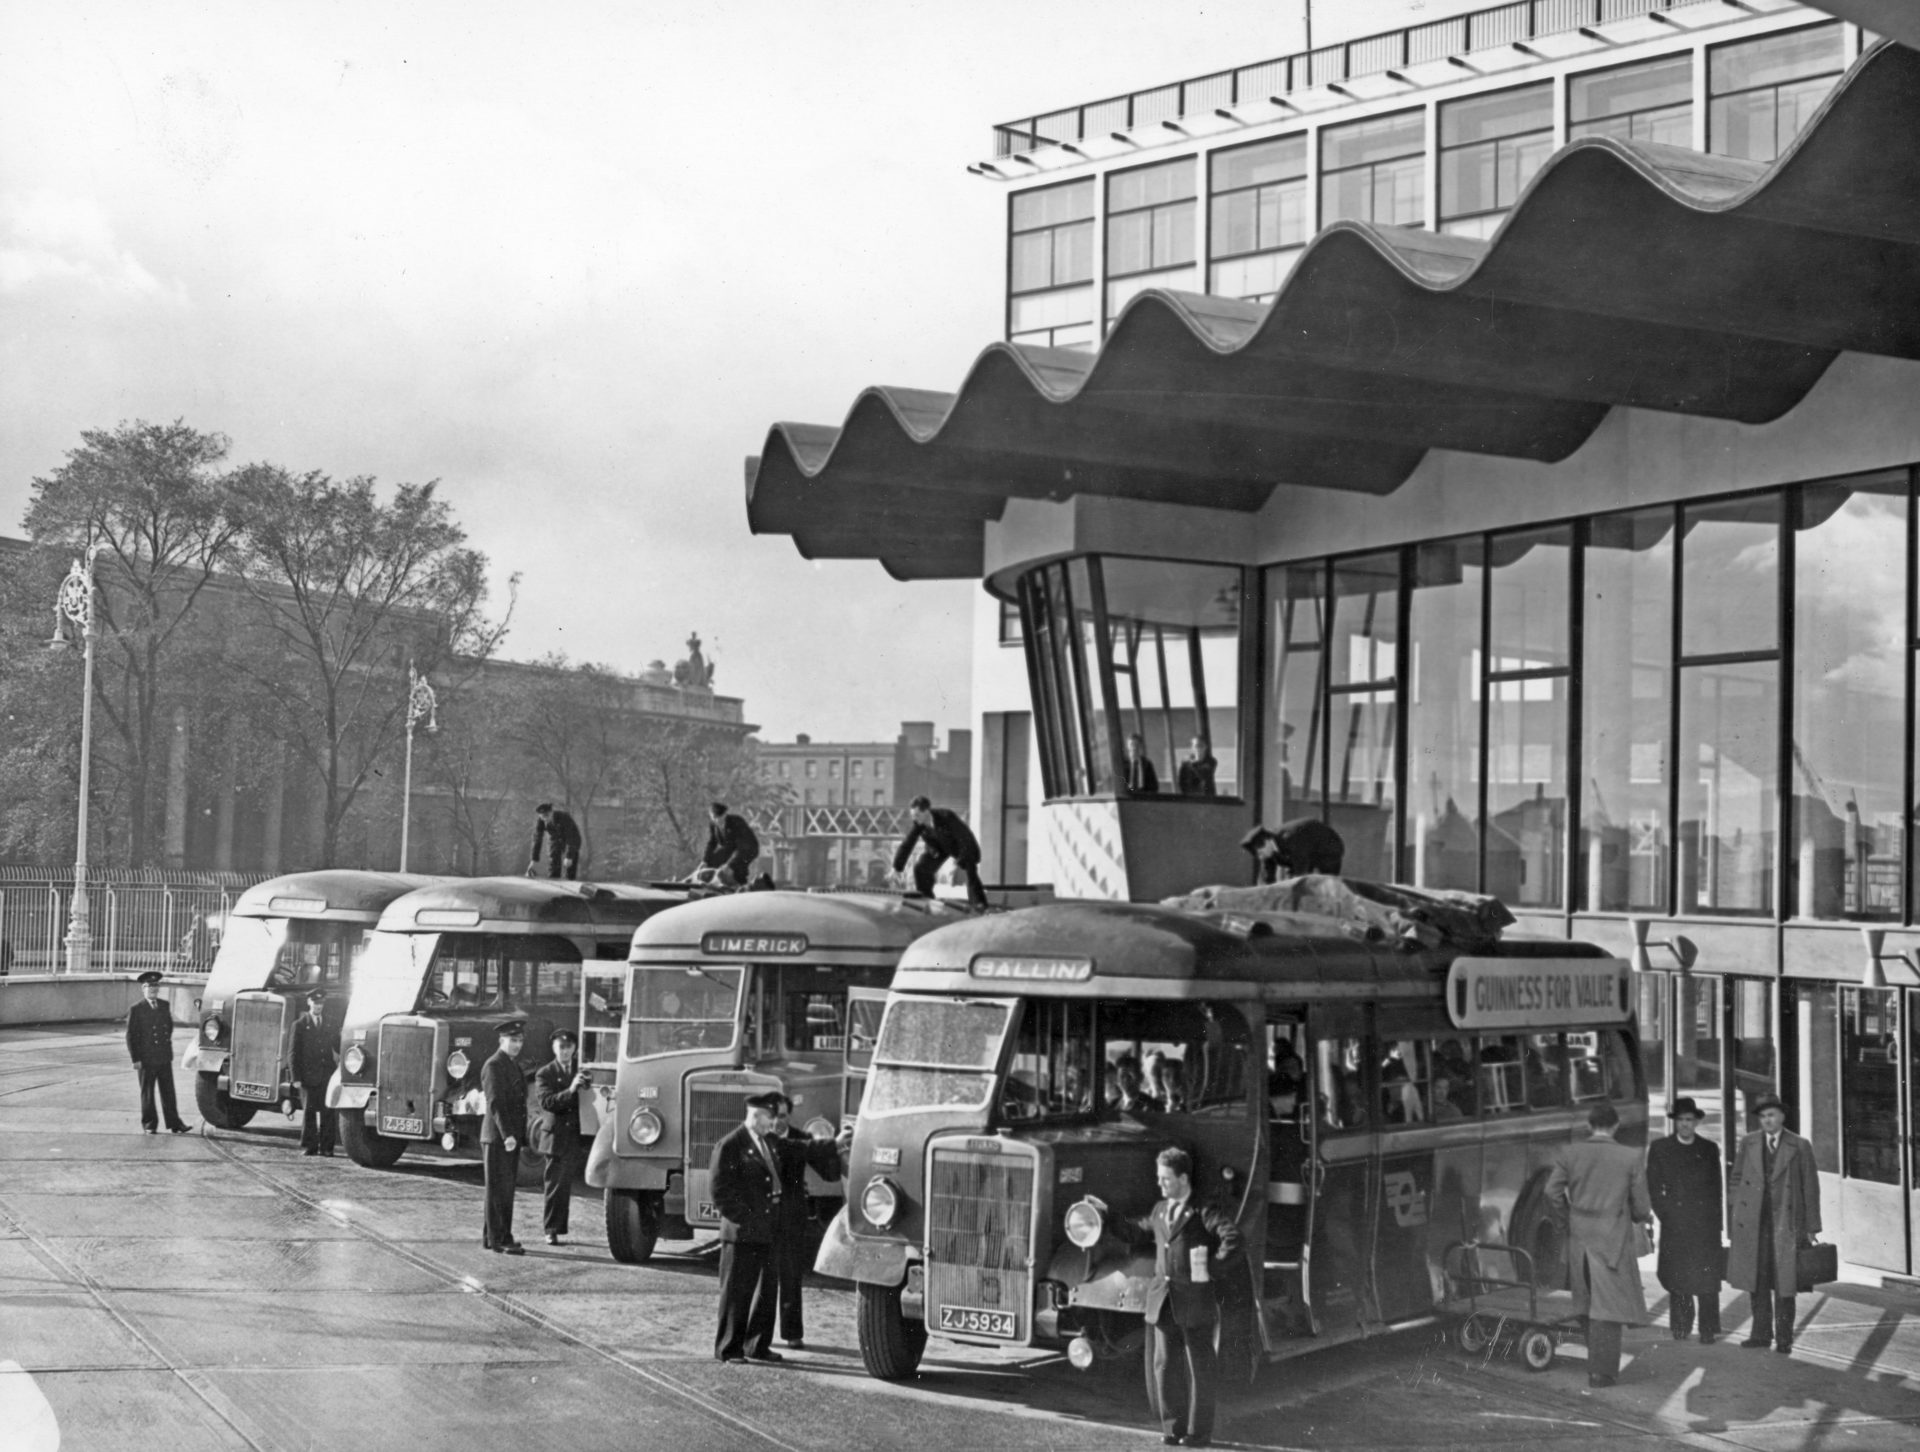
<point x="1375" y="170"/>
<point x="833" y="768"/>
<point x="1150" y="230"/>
<point x="1490" y="148"/>
<point x="1761" y="93"/>
<point x="1050" y="262"/>
<point x="855" y="768"/>
<point x="1652" y="101"/>
<point x="1258" y="217"/>
<point x="813" y="768"/>
<point x="1009" y="622"/>
<point x="879" y="770"/>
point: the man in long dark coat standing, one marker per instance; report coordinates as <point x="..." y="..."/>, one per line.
<point x="315" y="1054"/>
<point x="1683" y="1181"/>
<point x="797" y="1152"/>
<point x="556" y="1130"/>
<point x="744" y="1180"/>
<point x="1604" y="1187"/>
<point x="503" y="1129"/>
<point x="150" y="1046"/>
<point x="1776" y="1210"/>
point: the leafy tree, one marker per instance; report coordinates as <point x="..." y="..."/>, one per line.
<point x="354" y="588"/>
<point x="677" y="769"/>
<point x="152" y="499"/>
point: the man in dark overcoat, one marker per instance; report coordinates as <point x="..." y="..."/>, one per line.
<point x="150" y="1046"/>
<point x="942" y="835"/>
<point x="1776" y="1210"/>
<point x="503" y="1129"/>
<point x="315" y="1054"/>
<point x="563" y="841"/>
<point x="1603" y="1186"/>
<point x="556" y="1130"/>
<point x="745" y="1182"/>
<point x="797" y="1152"/>
<point x="1683" y="1181"/>
<point x="731" y="845"/>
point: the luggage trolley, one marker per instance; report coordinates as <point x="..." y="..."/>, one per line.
<point x="1506" y="1312"/>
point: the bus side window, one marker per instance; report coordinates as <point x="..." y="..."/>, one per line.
<point x="1546" y="1058"/>
<point x="1404" y="1074"/>
<point x="1617" y="1057"/>
<point x="1339" y="1083"/>
<point x="1450" y="1091"/>
<point x="1503" y="1075"/>
<point x="815" y="1022"/>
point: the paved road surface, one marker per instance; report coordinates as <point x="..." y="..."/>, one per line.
<point x="220" y="1290"/>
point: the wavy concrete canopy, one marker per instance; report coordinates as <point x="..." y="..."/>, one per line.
<point x="1627" y="274"/>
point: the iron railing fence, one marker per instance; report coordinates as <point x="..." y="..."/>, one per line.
<point x="1369" y="55"/>
<point x="140" y="920"/>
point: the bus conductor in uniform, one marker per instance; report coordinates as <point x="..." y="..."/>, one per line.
<point x="314" y="1060"/>
<point x="556" y="1129"/>
<point x="746" y="1186"/>
<point x="503" y="1129"/>
<point x="150" y="1046"/>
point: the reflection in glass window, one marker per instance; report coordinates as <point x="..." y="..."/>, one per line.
<point x="1529" y="679"/>
<point x="1451" y="1090"/>
<point x="1375" y="170"/>
<point x="1761" y="93"/>
<point x="1652" y="101"/>
<point x="1870" y="1084"/>
<point x="1490" y="148"/>
<point x="1849" y="694"/>
<point x="1340" y="1083"/>
<point x="1295" y="676"/>
<point x="1405" y="1082"/>
<point x="1627" y="658"/>
<point x="1503" y="1075"/>
<point x="1443" y="716"/>
<point x="1258" y="218"/>
<point x="1150" y="230"/>
<point x="1050" y="279"/>
<point x="678" y="1009"/>
<point x="1362" y="656"/>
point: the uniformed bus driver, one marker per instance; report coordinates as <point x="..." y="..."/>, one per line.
<point x="150" y="1046"/>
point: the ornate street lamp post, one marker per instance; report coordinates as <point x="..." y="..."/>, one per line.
<point x="75" y="605"/>
<point x="420" y="712"/>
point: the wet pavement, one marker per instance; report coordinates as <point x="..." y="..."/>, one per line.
<point x="220" y="1290"/>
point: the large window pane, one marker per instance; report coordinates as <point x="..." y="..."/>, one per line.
<point x="1660" y="90"/>
<point x="1490" y="148"/>
<point x="1529" y="609"/>
<point x="1624" y="834"/>
<point x="1696" y="1048"/>
<point x="1295" y="675"/>
<point x="1375" y="171"/>
<point x="1443" y="716"/>
<point x="1731" y="559"/>
<point x="1728" y="756"/>
<point x="1361" y="662"/>
<point x="1849" y="675"/>
<point x="1762" y="92"/>
<point x="1870" y="1084"/>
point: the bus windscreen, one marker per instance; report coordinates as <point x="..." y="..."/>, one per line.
<point x="937" y="1054"/>
<point x="678" y="1010"/>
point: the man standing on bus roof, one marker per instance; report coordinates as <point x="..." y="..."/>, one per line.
<point x="562" y="836"/>
<point x="1775" y="1208"/>
<point x="503" y="1129"/>
<point x="1604" y="1187"/>
<point x="731" y="844"/>
<point x="314" y="1058"/>
<point x="745" y="1182"/>
<point x="557" y="1085"/>
<point x="1683" y="1180"/>
<point x="942" y="836"/>
<point x="150" y="1046"/>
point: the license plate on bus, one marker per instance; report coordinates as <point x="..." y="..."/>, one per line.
<point x="251" y="1091"/>
<point x="707" y="1211"/>
<point x="968" y="1321"/>
<point x="398" y="1124"/>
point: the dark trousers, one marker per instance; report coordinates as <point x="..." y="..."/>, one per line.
<point x="556" y="1188"/>
<point x="1772" y="1312"/>
<point x="502" y="1169"/>
<point x="161" y="1076"/>
<point x="790" y="1269"/>
<point x="926" y="865"/>
<point x="562" y="857"/>
<point x="1183" y="1376"/>
<point x="748" y="1291"/>
<point x="319" y="1125"/>
<point x="1682" y="1314"/>
<point x="1603" y="1348"/>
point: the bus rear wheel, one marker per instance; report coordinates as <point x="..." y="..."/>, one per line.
<point x="633" y="1226"/>
<point x="890" y="1344"/>
<point x="216" y="1105"/>
<point x="368" y="1147"/>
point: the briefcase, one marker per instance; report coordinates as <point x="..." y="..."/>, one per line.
<point x="1814" y="1265"/>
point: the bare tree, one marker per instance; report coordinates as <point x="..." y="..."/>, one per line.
<point x="578" y="731"/>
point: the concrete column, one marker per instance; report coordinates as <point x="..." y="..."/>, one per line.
<point x="175" y="845"/>
<point x="276" y="810"/>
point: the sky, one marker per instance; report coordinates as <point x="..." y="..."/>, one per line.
<point x="571" y="260"/>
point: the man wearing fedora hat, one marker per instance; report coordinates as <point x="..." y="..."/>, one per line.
<point x="1683" y="1181"/>
<point x="1776" y="1209"/>
<point x="150" y="1046"/>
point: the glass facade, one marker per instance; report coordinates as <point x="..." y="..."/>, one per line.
<point x="1050" y="266"/>
<point x="1150" y="230"/>
<point x="1651" y="101"/>
<point x="1257" y="221"/>
<point x="1490" y="148"/>
<point x="1375" y="170"/>
<point x="1761" y="93"/>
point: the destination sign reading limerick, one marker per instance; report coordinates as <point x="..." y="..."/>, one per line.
<point x="754" y="945"/>
<point x="1032" y="970"/>
<point x="1500" y="993"/>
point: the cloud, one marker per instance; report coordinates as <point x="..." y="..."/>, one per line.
<point x="49" y="241"/>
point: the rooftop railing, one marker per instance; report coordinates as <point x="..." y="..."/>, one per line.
<point x="1330" y="65"/>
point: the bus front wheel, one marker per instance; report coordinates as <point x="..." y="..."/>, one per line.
<point x="890" y="1344"/>
<point x="368" y="1147"/>
<point x="633" y="1225"/>
<point x="216" y="1105"/>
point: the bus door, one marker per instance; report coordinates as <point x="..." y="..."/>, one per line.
<point x="1413" y="1202"/>
<point x="1291" y="1140"/>
<point x="1343" y="1198"/>
<point x="864" y="1007"/>
<point x="603" y="1013"/>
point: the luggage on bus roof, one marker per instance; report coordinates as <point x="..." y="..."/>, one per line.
<point x="1373" y="912"/>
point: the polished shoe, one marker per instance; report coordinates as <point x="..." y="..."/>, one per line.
<point x="180" y="1129"/>
<point x="730" y="1356"/>
<point x="553" y="1240"/>
<point x="1785" y="1348"/>
<point x="1601" y="1380"/>
<point x="1707" y="1338"/>
<point x="150" y="1129"/>
<point x="1757" y="1343"/>
<point x="795" y="1342"/>
<point x="326" y="1154"/>
<point x="310" y="1152"/>
<point x="770" y="1356"/>
<point x="1172" y="1439"/>
<point x="514" y="1247"/>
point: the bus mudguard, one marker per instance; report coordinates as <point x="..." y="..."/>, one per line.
<point x="347" y="1096"/>
<point x="864" y="1259"/>
<point x="608" y="1170"/>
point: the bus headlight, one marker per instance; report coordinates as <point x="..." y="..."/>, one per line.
<point x="645" y="1127"/>
<point x="354" y="1060"/>
<point x="457" y="1064"/>
<point x="1085" y="1225"/>
<point x="212" y="1030"/>
<point x="819" y="1127"/>
<point x="879" y="1203"/>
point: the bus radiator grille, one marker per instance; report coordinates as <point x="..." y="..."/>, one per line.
<point x="404" y="1078"/>
<point x="979" y="1229"/>
<point x="712" y="1113"/>
<point x="259" y="1026"/>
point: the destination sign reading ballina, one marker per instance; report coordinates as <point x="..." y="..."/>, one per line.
<point x="1497" y="993"/>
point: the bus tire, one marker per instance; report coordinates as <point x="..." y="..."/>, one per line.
<point x="633" y="1226"/>
<point x="369" y="1147"/>
<point x="1536" y="1349"/>
<point x="890" y="1344"/>
<point x="216" y="1105"/>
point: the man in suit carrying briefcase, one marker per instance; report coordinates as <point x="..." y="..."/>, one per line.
<point x="1775" y="1213"/>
